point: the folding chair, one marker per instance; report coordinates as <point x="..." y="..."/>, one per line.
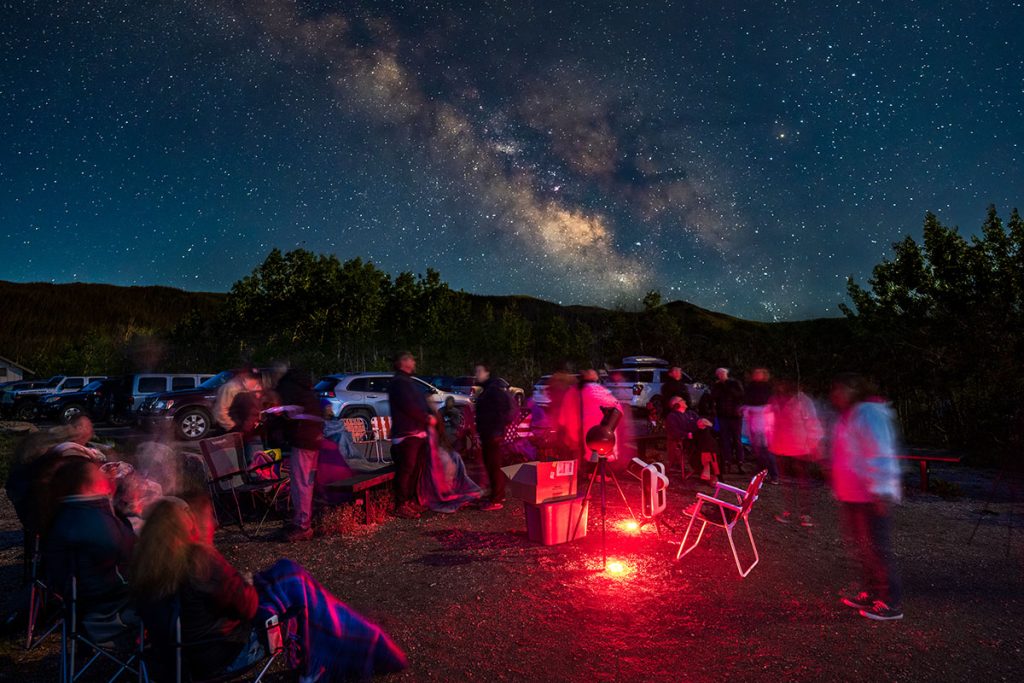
<point x="729" y="516"/>
<point x="127" y="660"/>
<point x="381" y="432"/>
<point x="165" y="658"/>
<point x="225" y="463"/>
<point x="356" y="427"/>
<point x="38" y="598"/>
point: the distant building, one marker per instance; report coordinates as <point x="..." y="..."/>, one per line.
<point x="12" y="372"/>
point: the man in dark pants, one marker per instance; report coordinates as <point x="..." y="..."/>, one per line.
<point x="494" y="413"/>
<point x="727" y="394"/>
<point x="411" y="420"/>
<point x="673" y="386"/>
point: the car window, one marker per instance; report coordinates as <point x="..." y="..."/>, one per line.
<point x="54" y="381"/>
<point x="152" y="385"/>
<point x="183" y="383"/>
<point x="217" y="380"/>
<point x="424" y="387"/>
<point x="624" y="377"/>
<point x="74" y="383"/>
<point x="645" y="375"/>
<point x="92" y="386"/>
<point x="326" y="384"/>
<point x="359" y="384"/>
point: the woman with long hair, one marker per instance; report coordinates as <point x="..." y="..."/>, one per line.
<point x="222" y="613"/>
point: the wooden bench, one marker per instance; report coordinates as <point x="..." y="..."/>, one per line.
<point x="923" y="459"/>
<point x="361" y="484"/>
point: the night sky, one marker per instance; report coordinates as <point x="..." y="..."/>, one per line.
<point x="744" y="156"/>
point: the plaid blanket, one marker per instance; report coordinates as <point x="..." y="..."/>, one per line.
<point x="334" y="643"/>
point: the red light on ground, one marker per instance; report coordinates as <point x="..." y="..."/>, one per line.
<point x="630" y="526"/>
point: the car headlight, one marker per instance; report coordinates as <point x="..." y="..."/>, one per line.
<point x="161" y="406"/>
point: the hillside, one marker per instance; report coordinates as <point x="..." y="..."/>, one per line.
<point x="36" y="317"/>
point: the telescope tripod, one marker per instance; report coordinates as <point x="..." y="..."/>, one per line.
<point x="604" y="472"/>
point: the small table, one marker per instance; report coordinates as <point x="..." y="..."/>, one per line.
<point x="361" y="484"/>
<point x="923" y="459"/>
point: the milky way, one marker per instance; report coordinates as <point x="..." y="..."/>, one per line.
<point x="746" y="157"/>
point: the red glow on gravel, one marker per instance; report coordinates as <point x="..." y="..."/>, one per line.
<point x="630" y="526"/>
<point x="619" y="570"/>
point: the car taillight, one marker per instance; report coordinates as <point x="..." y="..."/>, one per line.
<point x="638" y="389"/>
<point x="328" y="394"/>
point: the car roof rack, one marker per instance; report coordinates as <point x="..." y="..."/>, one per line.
<point x="644" y="360"/>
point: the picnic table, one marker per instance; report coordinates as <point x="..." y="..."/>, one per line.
<point x="923" y="458"/>
<point x="361" y="484"/>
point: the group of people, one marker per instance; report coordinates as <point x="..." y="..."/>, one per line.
<point x="164" y="566"/>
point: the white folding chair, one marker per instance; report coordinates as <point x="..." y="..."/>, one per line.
<point x="727" y="517"/>
<point x="381" y="432"/>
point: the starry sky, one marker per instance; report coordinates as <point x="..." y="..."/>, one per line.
<point x="745" y="156"/>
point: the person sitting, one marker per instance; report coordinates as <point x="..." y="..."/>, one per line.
<point x="223" y="613"/>
<point x="689" y="437"/>
<point x="444" y="485"/>
<point x="78" y="437"/>
<point x="84" y="538"/>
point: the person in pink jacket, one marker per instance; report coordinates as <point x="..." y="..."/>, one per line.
<point x="795" y="439"/>
<point x="866" y="481"/>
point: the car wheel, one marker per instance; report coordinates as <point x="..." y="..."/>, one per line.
<point x="362" y="414"/>
<point x="193" y="424"/>
<point x="69" y="412"/>
<point x="118" y="419"/>
<point x="25" y="412"/>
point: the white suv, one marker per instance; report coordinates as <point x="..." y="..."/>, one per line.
<point x="638" y="382"/>
<point x="365" y="395"/>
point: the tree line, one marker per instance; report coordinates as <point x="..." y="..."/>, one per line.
<point x="939" y="326"/>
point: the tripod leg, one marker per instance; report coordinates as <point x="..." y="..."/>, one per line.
<point x="604" y="508"/>
<point x="586" y="498"/>
<point x="624" y="500"/>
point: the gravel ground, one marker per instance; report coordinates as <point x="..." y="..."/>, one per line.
<point x="469" y="598"/>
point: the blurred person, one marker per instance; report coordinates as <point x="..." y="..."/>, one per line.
<point x="87" y="539"/>
<point x="796" y="442"/>
<point x="866" y="481"/>
<point x="245" y="380"/>
<point x="303" y="431"/>
<point x="673" y="386"/>
<point x="79" y="433"/>
<point x="444" y="485"/>
<point x="581" y="410"/>
<point x="727" y="394"/>
<point x="452" y="416"/>
<point x="495" y="411"/>
<point x="411" y="420"/>
<point x="176" y="561"/>
<point x="758" y="420"/>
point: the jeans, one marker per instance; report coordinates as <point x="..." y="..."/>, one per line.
<point x="409" y="456"/>
<point x="764" y="457"/>
<point x="301" y="483"/>
<point x="729" y="429"/>
<point x="492" y="461"/>
<point x="798" y="495"/>
<point x="869" y="533"/>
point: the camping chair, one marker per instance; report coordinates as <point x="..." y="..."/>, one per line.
<point x="356" y="427"/>
<point x="165" y="658"/>
<point x="728" y="516"/>
<point x="225" y="463"/>
<point x="38" y="598"/>
<point x="72" y="636"/>
<point x="381" y="432"/>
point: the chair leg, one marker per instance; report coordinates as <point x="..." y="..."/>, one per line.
<point x="683" y="549"/>
<point x="739" y="567"/>
<point x="33" y="614"/>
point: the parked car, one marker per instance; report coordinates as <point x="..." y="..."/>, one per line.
<point x="540" y="390"/>
<point x="365" y="395"/>
<point x="22" y="403"/>
<point x="442" y="382"/>
<point x="467" y="386"/>
<point x="638" y="383"/>
<point x="190" y="410"/>
<point x="64" y="407"/>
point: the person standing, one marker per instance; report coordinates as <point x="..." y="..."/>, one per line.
<point x="727" y="394"/>
<point x="758" y="418"/>
<point x="795" y="441"/>
<point x="866" y="481"/>
<point x="673" y="386"/>
<point x="495" y="411"/>
<point x="304" y="429"/>
<point x="411" y="419"/>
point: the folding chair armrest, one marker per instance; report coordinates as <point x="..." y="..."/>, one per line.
<point x="709" y="499"/>
<point x="731" y="489"/>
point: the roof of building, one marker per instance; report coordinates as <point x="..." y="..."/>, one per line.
<point x="10" y="362"/>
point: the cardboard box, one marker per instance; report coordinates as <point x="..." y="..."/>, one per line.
<point x="536" y="482"/>
<point x="556" y="521"/>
